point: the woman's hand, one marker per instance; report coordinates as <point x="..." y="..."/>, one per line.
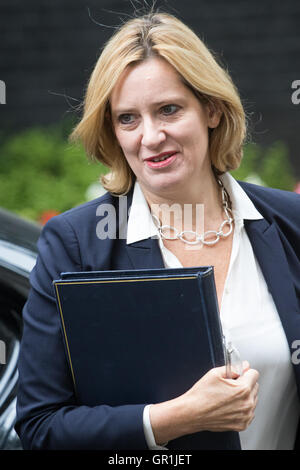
<point x="214" y="403"/>
<point x="220" y="404"/>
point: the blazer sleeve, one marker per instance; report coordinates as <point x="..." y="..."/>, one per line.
<point x="47" y="414"/>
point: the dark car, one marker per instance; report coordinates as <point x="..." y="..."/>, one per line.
<point x="17" y="257"/>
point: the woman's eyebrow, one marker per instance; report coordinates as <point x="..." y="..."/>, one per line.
<point x="118" y="111"/>
<point x="130" y="108"/>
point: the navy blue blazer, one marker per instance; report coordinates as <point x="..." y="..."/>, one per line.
<point x="47" y="414"/>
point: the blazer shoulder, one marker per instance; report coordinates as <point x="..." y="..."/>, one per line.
<point x="273" y="202"/>
<point x="82" y="214"/>
<point x="88" y="233"/>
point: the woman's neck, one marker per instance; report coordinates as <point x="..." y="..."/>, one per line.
<point x="190" y="208"/>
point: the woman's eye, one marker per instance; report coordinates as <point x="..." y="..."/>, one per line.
<point x="126" y="119"/>
<point x="169" y="109"/>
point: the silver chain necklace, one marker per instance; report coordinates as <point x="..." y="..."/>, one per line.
<point x="216" y="234"/>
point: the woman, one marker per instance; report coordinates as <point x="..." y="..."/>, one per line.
<point x="168" y="122"/>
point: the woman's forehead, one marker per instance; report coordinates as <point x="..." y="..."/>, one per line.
<point x="153" y="78"/>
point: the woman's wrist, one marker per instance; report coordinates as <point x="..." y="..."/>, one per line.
<point x="170" y="420"/>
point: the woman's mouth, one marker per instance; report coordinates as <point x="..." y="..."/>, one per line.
<point x="162" y="160"/>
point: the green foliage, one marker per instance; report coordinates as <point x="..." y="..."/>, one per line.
<point x="270" y="167"/>
<point x="41" y="171"/>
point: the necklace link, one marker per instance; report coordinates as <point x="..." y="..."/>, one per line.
<point x="210" y="233"/>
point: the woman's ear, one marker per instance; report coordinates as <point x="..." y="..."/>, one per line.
<point x="214" y="114"/>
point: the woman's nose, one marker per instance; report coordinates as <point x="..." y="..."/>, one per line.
<point x="152" y="134"/>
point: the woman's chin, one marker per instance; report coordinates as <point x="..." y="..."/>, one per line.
<point x="164" y="185"/>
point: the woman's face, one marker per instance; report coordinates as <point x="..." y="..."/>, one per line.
<point x="161" y="127"/>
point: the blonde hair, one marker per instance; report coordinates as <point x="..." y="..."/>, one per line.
<point x="162" y="35"/>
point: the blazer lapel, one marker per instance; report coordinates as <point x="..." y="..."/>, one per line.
<point x="271" y="256"/>
<point x="145" y="254"/>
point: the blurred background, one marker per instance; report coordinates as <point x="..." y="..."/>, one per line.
<point x="48" y="50"/>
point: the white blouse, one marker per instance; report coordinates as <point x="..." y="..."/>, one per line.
<point x="249" y="319"/>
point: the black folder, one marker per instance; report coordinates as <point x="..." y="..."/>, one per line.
<point x="142" y="336"/>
